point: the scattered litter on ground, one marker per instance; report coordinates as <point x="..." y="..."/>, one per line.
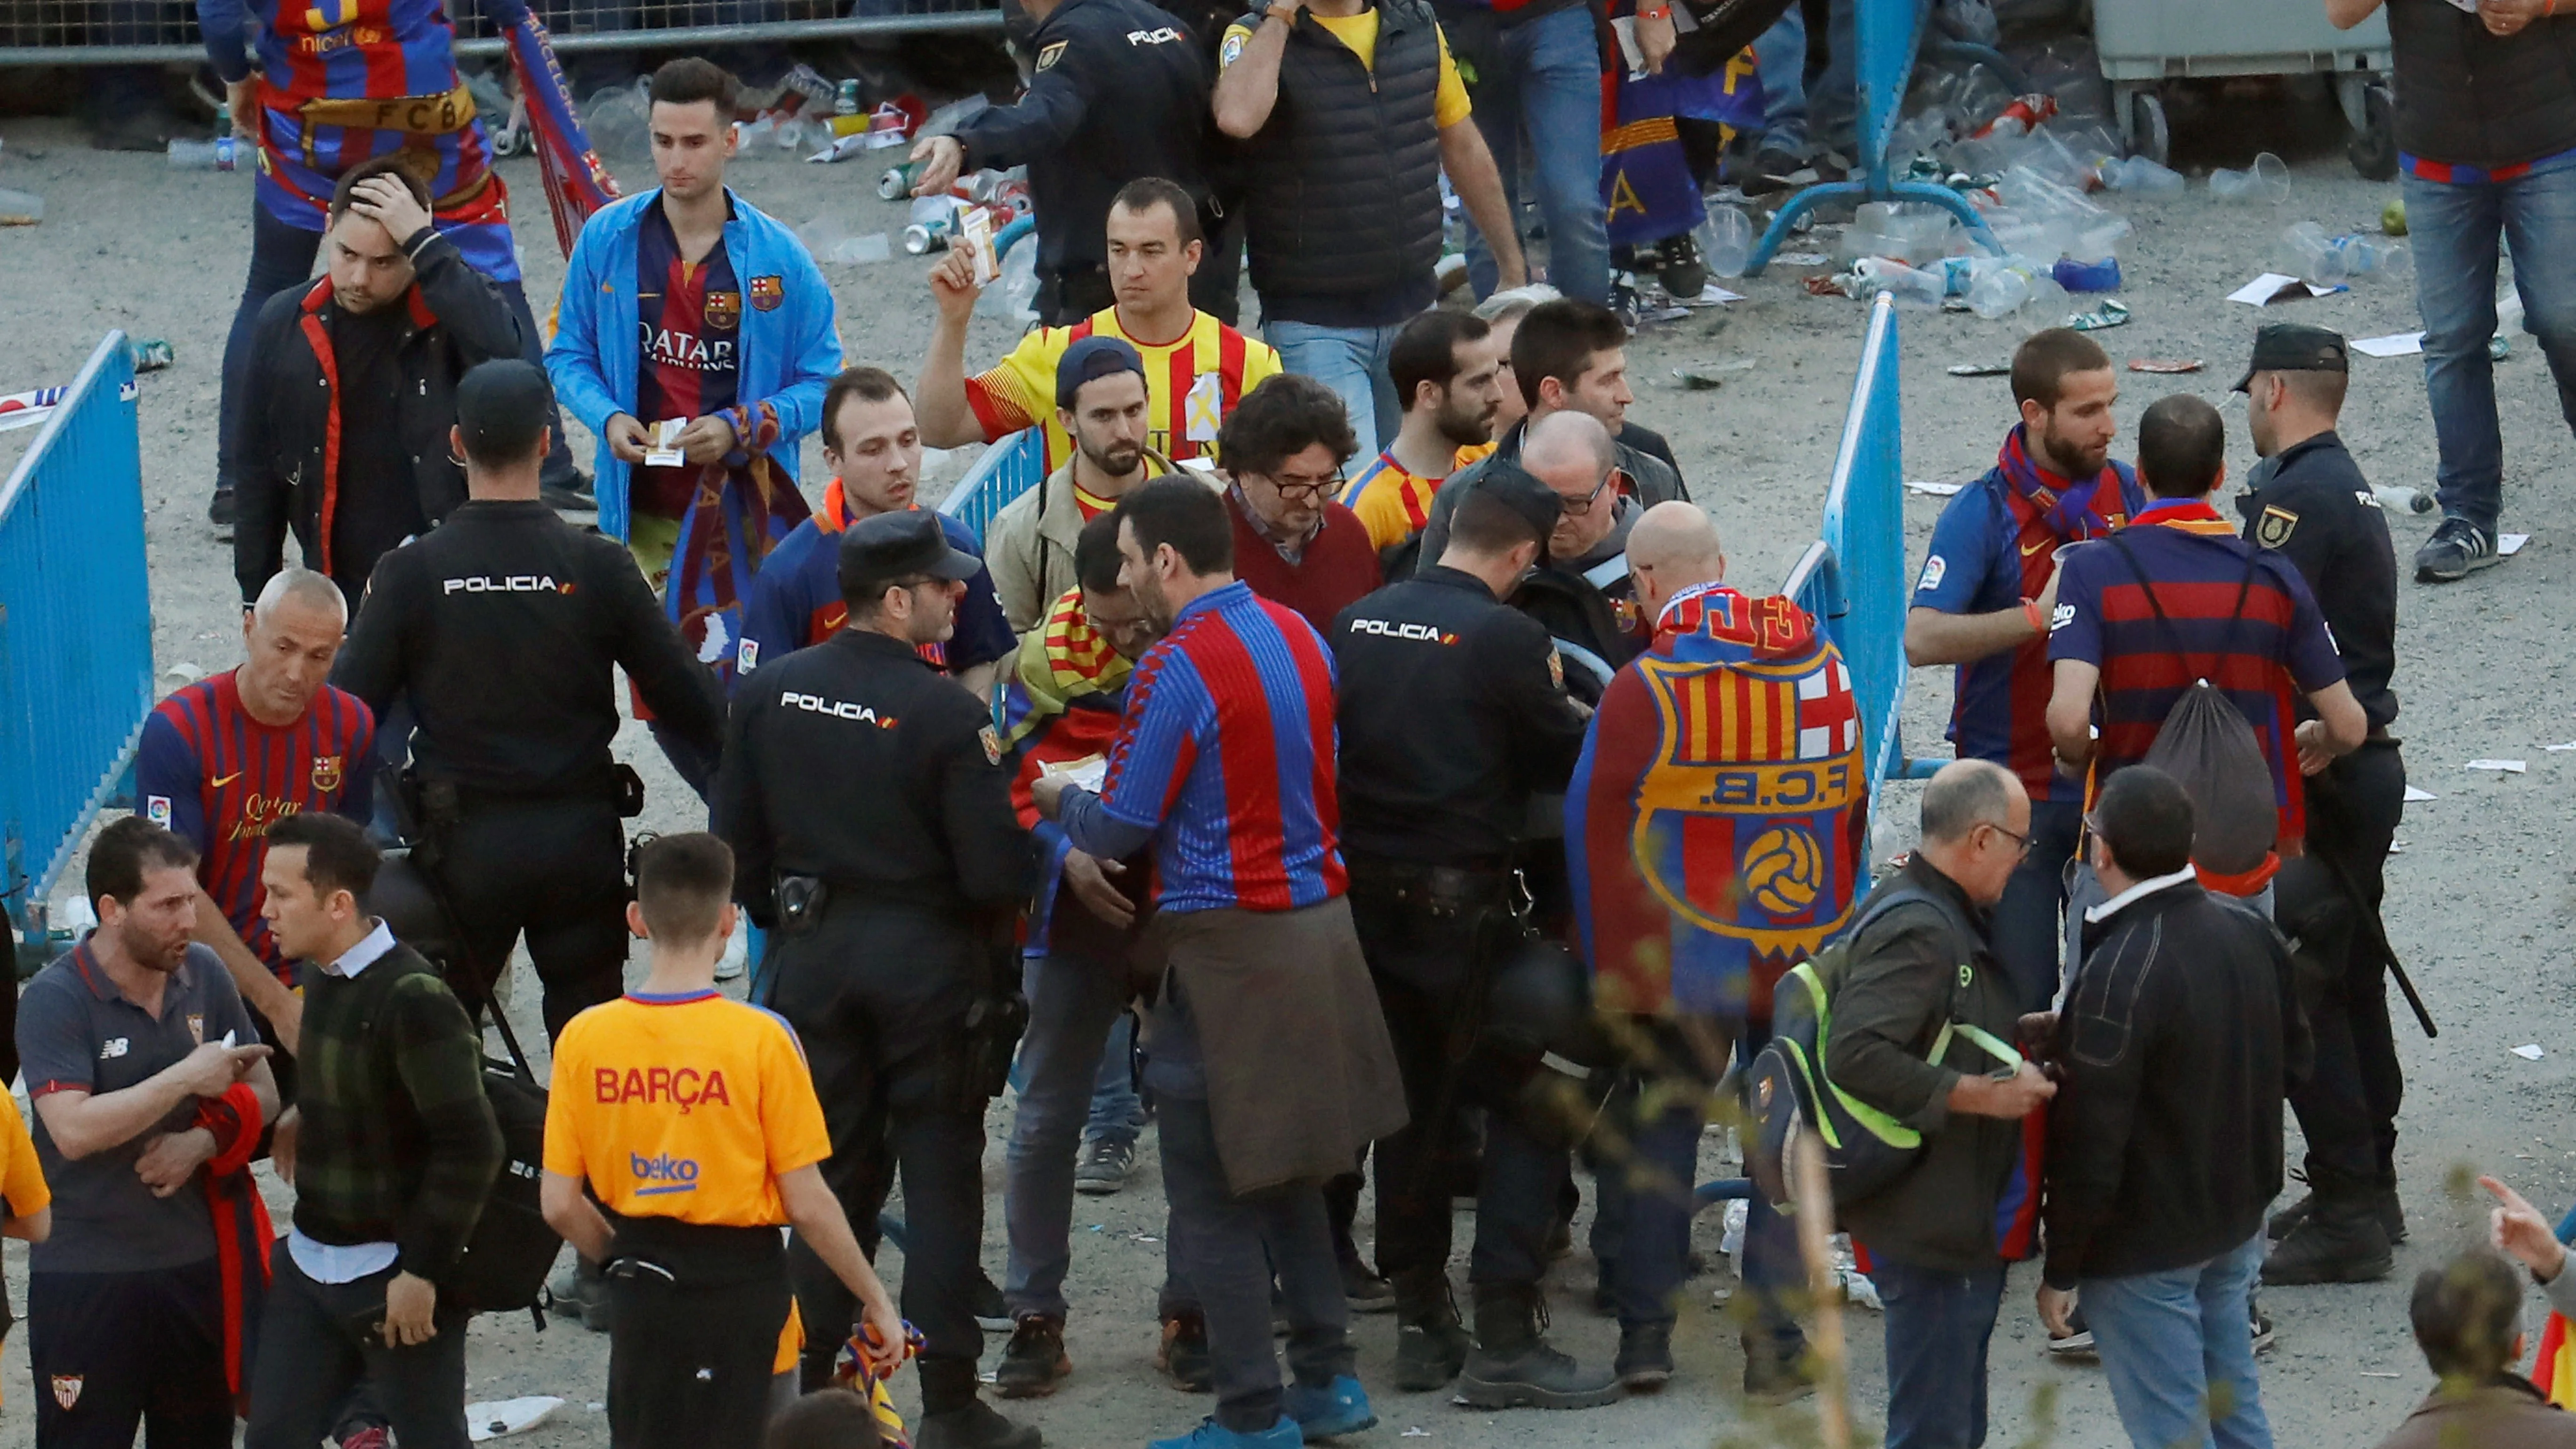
<point x="2416" y="794"/>
<point x="2510" y="767"/>
<point x="2395" y="344"/>
<point x="2402" y="498"/>
<point x="2164" y="365"/>
<point x="2376" y="1374"/>
<point x="2392" y="217"/>
<point x="151" y="354"/>
<point x="508" y="1416"/>
<point x="2529" y="1052"/>
<point x="1415" y="1433"/>
<point x="2509" y="544"/>
<point x="2268" y="179"/>
<point x="1702" y="376"/>
<point x="27" y="409"/>
<point x="2273" y="287"/>
<point x="1980" y="369"/>
<point x="2109" y="314"/>
<point x="1933" y="490"/>
<point x="1801" y="259"/>
<point x="20" y="208"/>
<point x="2560" y="749"/>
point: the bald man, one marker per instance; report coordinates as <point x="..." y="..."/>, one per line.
<point x="1582" y="591"/>
<point x="1766" y="884"/>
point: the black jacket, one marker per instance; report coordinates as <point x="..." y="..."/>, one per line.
<point x="2311" y="503"/>
<point x="1912" y="971"/>
<point x="1643" y="455"/>
<point x="455" y="318"/>
<point x="505" y="626"/>
<point x="2179" y="1040"/>
<point x="1453" y="711"/>
<point x="915" y="807"/>
<point x="1120" y="91"/>
<point x="2470" y="98"/>
<point x="1342" y="183"/>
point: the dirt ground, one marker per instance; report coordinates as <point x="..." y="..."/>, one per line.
<point x="2478" y="902"/>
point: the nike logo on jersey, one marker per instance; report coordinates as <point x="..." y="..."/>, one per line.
<point x="220" y="781"/>
<point x="506" y="584"/>
<point x="836" y="708"/>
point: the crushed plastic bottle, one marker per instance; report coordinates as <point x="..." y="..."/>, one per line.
<point x="2306" y="252"/>
<point x="2140" y="175"/>
<point x="1912" y="288"/>
<point x="2268" y="179"/>
<point x="20" y="208"/>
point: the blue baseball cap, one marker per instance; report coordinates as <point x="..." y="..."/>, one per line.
<point x="1091" y="359"/>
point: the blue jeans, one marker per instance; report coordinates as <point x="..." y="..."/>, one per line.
<point x="1833" y="107"/>
<point x="2178" y="1348"/>
<point x="2025" y="920"/>
<point x="1117" y="1113"/>
<point x="1352" y="361"/>
<point x="2454" y="229"/>
<point x="1075" y="1005"/>
<point x="1546" y="81"/>
<point x="1780" y="59"/>
<point x="1938" y="1326"/>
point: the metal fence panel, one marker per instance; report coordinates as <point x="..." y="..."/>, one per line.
<point x="124" y="32"/>
<point x="75" y="625"/>
<point x="1853" y="578"/>
<point x="1008" y="469"/>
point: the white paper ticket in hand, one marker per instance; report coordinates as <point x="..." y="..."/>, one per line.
<point x="975" y="228"/>
<point x="1088" y="773"/>
<point x="1203" y="411"/>
<point x="663" y="439"/>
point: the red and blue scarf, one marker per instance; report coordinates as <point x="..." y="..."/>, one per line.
<point x="2055" y="510"/>
<point x="744" y="506"/>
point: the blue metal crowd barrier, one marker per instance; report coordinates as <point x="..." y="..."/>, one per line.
<point x="1008" y="469"/>
<point x="75" y="629"/>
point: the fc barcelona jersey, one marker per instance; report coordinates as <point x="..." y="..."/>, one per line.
<point x="1716" y="825"/>
<point x="689" y="348"/>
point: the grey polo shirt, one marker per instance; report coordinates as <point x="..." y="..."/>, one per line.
<point x="78" y="1032"/>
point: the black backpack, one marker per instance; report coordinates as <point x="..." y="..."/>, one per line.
<point x="1865" y="1148"/>
<point x="2207" y="745"/>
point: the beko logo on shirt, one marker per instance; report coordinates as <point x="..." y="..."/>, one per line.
<point x="664" y="1173"/>
<point x="836" y="708"/>
<point x="505" y="584"/>
<point x="1384" y="629"/>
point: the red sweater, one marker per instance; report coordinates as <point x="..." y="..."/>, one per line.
<point x="1337" y="570"/>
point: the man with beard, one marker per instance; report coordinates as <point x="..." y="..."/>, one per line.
<point x="1449" y="374"/>
<point x="1103" y="403"/>
<point x="1984" y="602"/>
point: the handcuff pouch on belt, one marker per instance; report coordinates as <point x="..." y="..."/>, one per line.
<point x="999" y="1014"/>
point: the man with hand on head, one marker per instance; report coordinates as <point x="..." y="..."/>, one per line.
<point x="150" y="1088"/>
<point x="1920" y="965"/>
<point x="1984" y="600"/>
<point x="1448" y="375"/>
<point x="394" y="1152"/>
<point x="874" y="447"/>
<point x="350" y="387"/>
<point x="2308" y="501"/>
<point x="699" y="1275"/>
<point x="1103" y="402"/>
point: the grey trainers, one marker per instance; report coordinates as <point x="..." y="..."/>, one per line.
<point x="1103" y="1166"/>
<point x="2456" y="549"/>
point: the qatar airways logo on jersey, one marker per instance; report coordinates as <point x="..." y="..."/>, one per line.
<point x="836" y="708"/>
<point x="1419" y="633"/>
<point x="686" y="1088"/>
<point x="666" y="347"/>
<point x="505" y="584"/>
<point x="258" y="814"/>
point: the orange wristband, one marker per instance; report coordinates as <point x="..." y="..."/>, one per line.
<point x="2038" y="620"/>
<point x="1665" y="12"/>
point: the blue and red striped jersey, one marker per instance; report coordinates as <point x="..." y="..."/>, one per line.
<point x="219" y="779"/>
<point x="796" y="597"/>
<point x="2264" y="657"/>
<point x="689" y="337"/>
<point x="1227" y="755"/>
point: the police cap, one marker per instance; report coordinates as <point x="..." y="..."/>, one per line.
<point x="501" y="409"/>
<point x="875" y="552"/>
<point x="2295" y="347"/>
<point x="1091" y="359"/>
<point x="1516" y="488"/>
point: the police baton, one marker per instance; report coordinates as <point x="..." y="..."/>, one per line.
<point x="2369" y="917"/>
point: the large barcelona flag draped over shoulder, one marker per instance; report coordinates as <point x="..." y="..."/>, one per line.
<point x="576" y="183"/>
<point x="1646" y="185"/>
<point x="1716" y="827"/>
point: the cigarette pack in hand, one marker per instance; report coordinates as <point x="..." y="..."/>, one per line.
<point x="975" y="228"/>
<point x="664" y="451"/>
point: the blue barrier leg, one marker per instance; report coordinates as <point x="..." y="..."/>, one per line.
<point x="1970" y="53"/>
<point x="1797" y="206"/>
<point x="891" y="1228"/>
<point x="1725" y="1189"/>
<point x="1952" y="202"/>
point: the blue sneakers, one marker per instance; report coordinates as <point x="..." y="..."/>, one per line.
<point x="1325" y="1413"/>
<point x="1212" y="1435"/>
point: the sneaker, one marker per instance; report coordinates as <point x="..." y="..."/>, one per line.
<point x="581" y="1292"/>
<point x="2076" y="1347"/>
<point x="1367" y="1292"/>
<point x="1645" y="1355"/>
<point x="1776" y="171"/>
<point x="992" y="1311"/>
<point x="1680" y="269"/>
<point x="1342" y="1407"/>
<point x="219" y="512"/>
<point x="1212" y="1435"/>
<point x="2262" y="1331"/>
<point x="1035" y="1362"/>
<point x="736" y="958"/>
<point x="576" y="497"/>
<point x="1183" y="1355"/>
<point x="1103" y="1166"/>
<point x="977" y="1425"/>
<point x="2456" y="549"/>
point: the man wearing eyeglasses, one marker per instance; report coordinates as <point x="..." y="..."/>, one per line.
<point x="1286" y="443"/>
<point x="1583" y="593"/>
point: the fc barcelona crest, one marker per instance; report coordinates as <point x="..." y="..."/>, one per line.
<point x="327" y="773"/>
<point x="767" y="292"/>
<point x="723" y="311"/>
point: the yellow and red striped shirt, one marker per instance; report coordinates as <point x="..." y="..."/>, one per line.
<point x="1019" y="391"/>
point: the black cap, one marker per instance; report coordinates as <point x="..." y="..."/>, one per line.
<point x="2295" y="347"/>
<point x="1091" y="359"/>
<point x="877" y="551"/>
<point x="1516" y="488"/>
<point x="502" y="408"/>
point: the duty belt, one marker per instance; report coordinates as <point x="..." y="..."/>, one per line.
<point x="1443" y="890"/>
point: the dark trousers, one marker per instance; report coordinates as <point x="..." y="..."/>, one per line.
<point x="110" y="1351"/>
<point x="2026" y="933"/>
<point x="1938" y="1326"/>
<point x="555" y="871"/>
<point x="878" y="997"/>
<point x="2348" y="1106"/>
<point x="1229" y="1248"/>
<point x="1430" y="967"/>
<point x="281" y="256"/>
<point x="689" y="1368"/>
<point x="314" y="1346"/>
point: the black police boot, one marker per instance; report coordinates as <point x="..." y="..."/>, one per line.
<point x="583" y="1294"/>
<point x="1514" y="1366"/>
<point x="2392" y="1213"/>
<point x="1430" y="1344"/>
<point x="953" y="1418"/>
<point x="2340" y="1241"/>
<point x="1645" y="1356"/>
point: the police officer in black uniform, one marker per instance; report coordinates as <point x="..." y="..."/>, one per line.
<point x="504" y="627"/>
<point x="864" y="795"/>
<point x="1453" y="712"/>
<point x="1120" y="90"/>
<point x="2309" y="500"/>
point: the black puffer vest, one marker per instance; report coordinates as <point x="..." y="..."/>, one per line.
<point x="1343" y="182"/>
<point x="2474" y="99"/>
